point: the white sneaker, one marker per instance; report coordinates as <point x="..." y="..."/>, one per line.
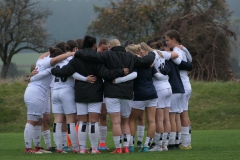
<point x="83" y="151"/>
<point x="164" y="148"/>
<point x="44" y="151"/>
<point x="156" y="148"/>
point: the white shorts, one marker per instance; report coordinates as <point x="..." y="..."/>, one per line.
<point x="63" y="101"/>
<point x="118" y="105"/>
<point x="34" y="100"/>
<point x="185" y="99"/>
<point x="143" y="104"/>
<point x="175" y="105"/>
<point x="164" y="98"/>
<point x="47" y="105"/>
<point x="85" y="108"/>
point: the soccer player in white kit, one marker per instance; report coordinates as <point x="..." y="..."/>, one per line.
<point x="173" y="40"/>
<point x="63" y="101"/>
<point x="34" y="97"/>
<point x="164" y="92"/>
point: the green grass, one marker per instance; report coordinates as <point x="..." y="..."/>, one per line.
<point x="207" y="145"/>
<point x="213" y="105"/>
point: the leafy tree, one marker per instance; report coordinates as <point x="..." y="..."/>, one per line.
<point x="202" y="24"/>
<point x="204" y="27"/>
<point x="130" y="19"/>
<point x="22" y="25"/>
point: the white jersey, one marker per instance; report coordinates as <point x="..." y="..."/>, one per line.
<point x="183" y="73"/>
<point x="63" y="82"/>
<point x="43" y="65"/>
<point x="160" y="61"/>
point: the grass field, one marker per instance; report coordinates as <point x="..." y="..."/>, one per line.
<point x="214" y="105"/>
<point x="207" y="145"/>
<point x="214" y="111"/>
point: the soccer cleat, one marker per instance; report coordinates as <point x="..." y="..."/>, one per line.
<point x="165" y="148"/>
<point x="83" y="151"/>
<point x="184" y="148"/>
<point x="171" y="147"/>
<point x="189" y="146"/>
<point x="102" y="146"/>
<point x="131" y="149"/>
<point x="61" y="151"/>
<point x="152" y="144"/>
<point x="117" y="151"/>
<point x="125" y="150"/>
<point x="75" y="151"/>
<point x="52" y="149"/>
<point x="95" y="151"/>
<point x="41" y="149"/>
<point x="176" y="146"/>
<point x="30" y="151"/>
<point x="139" y="144"/>
<point x="66" y="148"/>
<point x="156" y="148"/>
<point x="143" y="149"/>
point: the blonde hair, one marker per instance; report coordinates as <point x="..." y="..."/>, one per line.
<point x="135" y="49"/>
<point x="146" y="48"/>
<point x="114" y="42"/>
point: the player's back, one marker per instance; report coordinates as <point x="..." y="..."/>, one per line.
<point x="44" y="83"/>
<point x="63" y="82"/>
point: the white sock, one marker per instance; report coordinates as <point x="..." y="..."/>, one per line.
<point x="117" y="141"/>
<point x="57" y="135"/>
<point x="102" y="133"/>
<point x="158" y="139"/>
<point x="148" y="142"/>
<point x="37" y="136"/>
<point x="185" y="136"/>
<point x="94" y="134"/>
<point x="82" y="134"/>
<point x="131" y="143"/>
<point x="165" y="139"/>
<point x="140" y="132"/>
<point x="28" y="135"/>
<point x="172" y="138"/>
<point x="64" y="139"/>
<point x="47" y="138"/>
<point x="126" y="140"/>
<point x="73" y="136"/>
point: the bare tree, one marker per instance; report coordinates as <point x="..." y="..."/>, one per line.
<point x="22" y="25"/>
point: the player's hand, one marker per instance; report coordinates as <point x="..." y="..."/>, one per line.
<point x="34" y="72"/>
<point x="113" y="81"/>
<point x="180" y="46"/>
<point x="152" y="65"/>
<point x="126" y="71"/>
<point x="91" y="78"/>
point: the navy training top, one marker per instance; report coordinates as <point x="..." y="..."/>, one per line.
<point x="143" y="85"/>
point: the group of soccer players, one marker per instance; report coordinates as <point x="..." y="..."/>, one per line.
<point x="87" y="82"/>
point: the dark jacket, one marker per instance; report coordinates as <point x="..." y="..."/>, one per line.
<point x="174" y="77"/>
<point x="143" y="85"/>
<point x="115" y="58"/>
<point x="84" y="91"/>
